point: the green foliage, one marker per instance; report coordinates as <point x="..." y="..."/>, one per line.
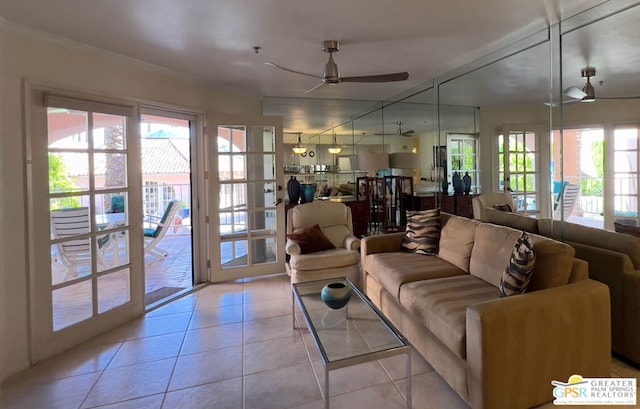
<point x="59" y="181"/>
<point x="595" y="186"/>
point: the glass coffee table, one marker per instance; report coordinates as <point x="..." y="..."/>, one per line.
<point x="354" y="334"/>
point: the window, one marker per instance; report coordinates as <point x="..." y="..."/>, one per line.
<point x="462" y="155"/>
<point x="517" y="167"/>
<point x="627" y="182"/>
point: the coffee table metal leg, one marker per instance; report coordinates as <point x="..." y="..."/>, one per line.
<point x="326" y="388"/>
<point x="409" y="380"/>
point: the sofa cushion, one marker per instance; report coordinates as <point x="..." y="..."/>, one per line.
<point x="325" y="259"/>
<point x="311" y="240"/>
<point x="456" y="241"/>
<point x="441" y="304"/>
<point x="517" y="275"/>
<point x="423" y="232"/>
<point x="591" y="236"/>
<point x="393" y="269"/>
<point x="516" y="220"/>
<point x="491" y="251"/>
<point x="554" y="262"/>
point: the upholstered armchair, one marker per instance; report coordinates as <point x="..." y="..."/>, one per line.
<point x="334" y="220"/>
<point x="488" y="200"/>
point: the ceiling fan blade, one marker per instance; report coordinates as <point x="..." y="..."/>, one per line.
<point x="293" y="71"/>
<point x="408" y="133"/>
<point x="322" y="84"/>
<point x="398" y="76"/>
<point x="565" y="102"/>
<point x="575" y="92"/>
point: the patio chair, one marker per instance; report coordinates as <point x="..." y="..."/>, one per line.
<point x="72" y="254"/>
<point x="566" y="201"/>
<point x="154" y="235"/>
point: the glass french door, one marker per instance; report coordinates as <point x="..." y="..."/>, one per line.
<point x="84" y="277"/>
<point x="246" y="197"/>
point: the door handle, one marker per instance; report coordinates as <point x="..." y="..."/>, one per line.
<point x="278" y="202"/>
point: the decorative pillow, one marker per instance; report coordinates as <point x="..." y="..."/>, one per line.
<point x="311" y="240"/>
<point x="517" y="274"/>
<point x="505" y="207"/>
<point x="422" y="235"/>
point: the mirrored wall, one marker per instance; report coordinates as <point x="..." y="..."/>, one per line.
<point x="555" y="113"/>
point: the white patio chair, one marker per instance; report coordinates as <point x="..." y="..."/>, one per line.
<point x="154" y="235"/>
<point x="566" y="201"/>
<point x="72" y="254"/>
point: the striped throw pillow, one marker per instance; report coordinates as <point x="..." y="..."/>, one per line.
<point x="517" y="274"/>
<point x="422" y="235"/>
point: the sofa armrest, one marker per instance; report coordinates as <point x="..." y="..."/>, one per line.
<point x="631" y="315"/>
<point x="522" y="343"/>
<point x="292" y="248"/>
<point x="351" y="242"/>
<point x="382" y="243"/>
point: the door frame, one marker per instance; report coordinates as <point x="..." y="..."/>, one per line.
<point x="216" y="273"/>
<point x="44" y="342"/>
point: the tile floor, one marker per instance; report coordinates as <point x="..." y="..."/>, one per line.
<point x="228" y="345"/>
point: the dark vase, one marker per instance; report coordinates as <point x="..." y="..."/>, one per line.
<point x="335" y="295"/>
<point x="458" y="185"/>
<point x="467" y="183"/>
<point x="445" y="186"/>
<point x="293" y="190"/>
<point x="307" y="193"/>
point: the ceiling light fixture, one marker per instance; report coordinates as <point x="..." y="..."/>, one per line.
<point x="334" y="149"/>
<point x="299" y="148"/>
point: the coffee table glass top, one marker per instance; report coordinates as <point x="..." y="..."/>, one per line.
<point x="354" y="330"/>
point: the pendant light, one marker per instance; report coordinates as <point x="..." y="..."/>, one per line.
<point x="299" y="148"/>
<point x="334" y="149"/>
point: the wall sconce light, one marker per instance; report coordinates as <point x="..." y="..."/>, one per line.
<point x="299" y="148"/>
<point x="334" y="149"/>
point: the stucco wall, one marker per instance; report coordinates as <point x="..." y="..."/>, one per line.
<point x="82" y="70"/>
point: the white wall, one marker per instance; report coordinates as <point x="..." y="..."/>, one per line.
<point x="76" y="69"/>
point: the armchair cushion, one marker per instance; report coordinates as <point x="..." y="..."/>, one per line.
<point x="311" y="240"/>
<point x="504" y="208"/>
<point x="324" y="260"/>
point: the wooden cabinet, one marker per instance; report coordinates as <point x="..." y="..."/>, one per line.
<point x="460" y="205"/>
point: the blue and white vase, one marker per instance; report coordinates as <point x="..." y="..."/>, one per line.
<point x="335" y="295"/>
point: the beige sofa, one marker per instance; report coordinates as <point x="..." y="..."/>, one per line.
<point x="494" y="352"/>
<point x="614" y="259"/>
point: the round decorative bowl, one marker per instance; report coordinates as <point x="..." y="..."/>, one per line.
<point x="335" y="295"/>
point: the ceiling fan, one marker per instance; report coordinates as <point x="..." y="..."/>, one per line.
<point x="586" y="94"/>
<point x="399" y="132"/>
<point x="331" y="74"/>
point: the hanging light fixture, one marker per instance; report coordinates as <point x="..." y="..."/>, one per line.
<point x="334" y="149"/>
<point x="299" y="148"/>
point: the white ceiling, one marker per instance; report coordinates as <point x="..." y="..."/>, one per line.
<point x="213" y="40"/>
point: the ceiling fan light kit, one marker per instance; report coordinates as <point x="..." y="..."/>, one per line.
<point x="334" y="149"/>
<point x="590" y="93"/>
<point x="331" y="74"/>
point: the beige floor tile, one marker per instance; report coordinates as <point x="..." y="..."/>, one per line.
<point x="318" y="404"/>
<point x="114" y="336"/>
<point x="384" y="396"/>
<point x="207" y="367"/>
<point x="219" y="299"/>
<point x="210" y="317"/>
<point x="212" y="338"/>
<point x="274" y="354"/>
<point x="268" y="328"/>
<point x="351" y="378"/>
<point x="397" y="369"/>
<point x="149" y="327"/>
<point x="266" y="309"/>
<point x="281" y="388"/>
<point x="130" y="382"/>
<point x="53" y="394"/>
<point x="181" y="305"/>
<point x="148" y="349"/>
<point x="226" y="394"/>
<point x="430" y="391"/>
<point x="148" y="402"/>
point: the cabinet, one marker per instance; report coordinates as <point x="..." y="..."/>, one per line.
<point x="342" y="183"/>
<point x="460" y="205"/>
